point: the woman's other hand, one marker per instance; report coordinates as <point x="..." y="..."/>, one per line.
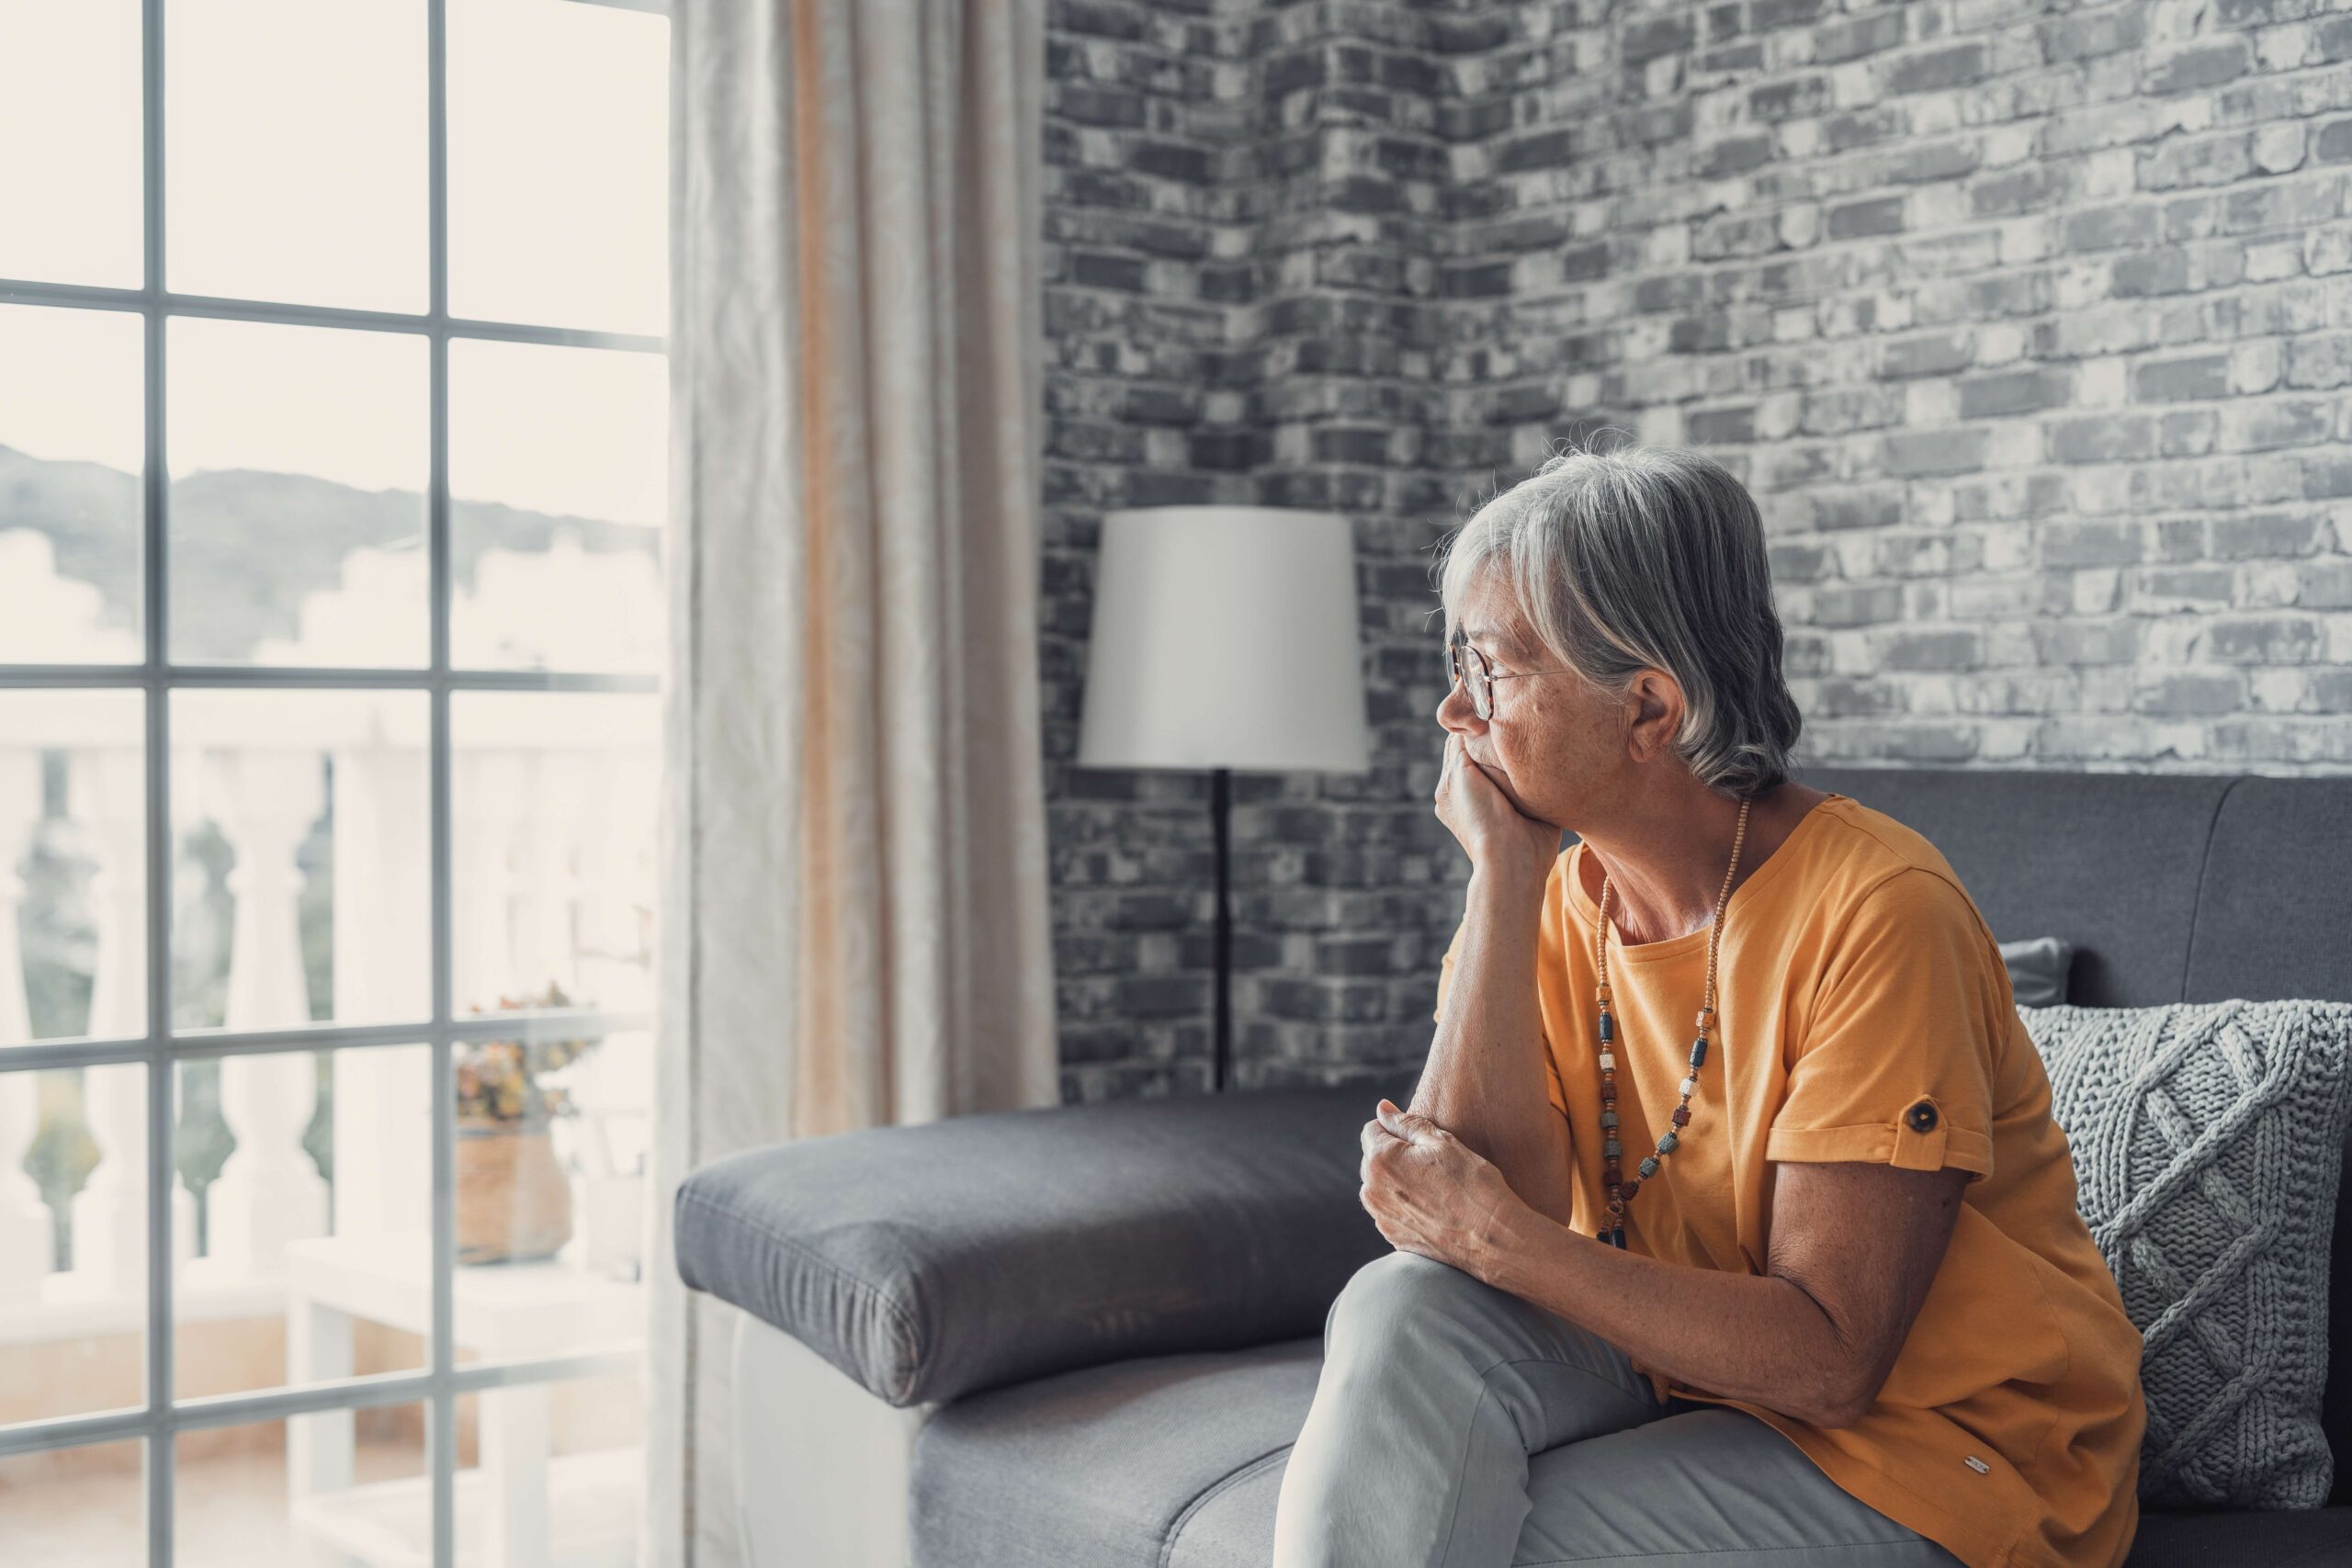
<point x="1431" y="1193"/>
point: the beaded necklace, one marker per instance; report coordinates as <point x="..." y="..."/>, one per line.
<point x="1622" y="1192"/>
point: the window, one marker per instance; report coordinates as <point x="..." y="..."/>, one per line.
<point x="332" y="478"/>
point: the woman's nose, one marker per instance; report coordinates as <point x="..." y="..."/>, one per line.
<point x="1456" y="711"/>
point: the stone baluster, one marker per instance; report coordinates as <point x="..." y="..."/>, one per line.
<point x="270" y="1192"/>
<point x="27" y="1242"/>
<point x="382" y="914"/>
<point x="549" y="840"/>
<point x="616" y="873"/>
<point x="487" y="788"/>
<point x="107" y="795"/>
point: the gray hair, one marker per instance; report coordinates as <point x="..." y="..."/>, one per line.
<point x="1647" y="557"/>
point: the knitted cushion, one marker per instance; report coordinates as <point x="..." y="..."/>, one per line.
<point x="2208" y="1142"/>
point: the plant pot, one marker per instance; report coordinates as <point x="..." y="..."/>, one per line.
<point x="513" y="1199"/>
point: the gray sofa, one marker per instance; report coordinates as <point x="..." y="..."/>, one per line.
<point x="1103" y="1323"/>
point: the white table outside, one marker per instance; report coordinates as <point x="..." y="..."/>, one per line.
<point x="505" y="1311"/>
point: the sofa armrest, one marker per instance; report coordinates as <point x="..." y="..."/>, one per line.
<point x="931" y="1261"/>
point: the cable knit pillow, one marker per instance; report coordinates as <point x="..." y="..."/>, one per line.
<point x="2208" y="1142"/>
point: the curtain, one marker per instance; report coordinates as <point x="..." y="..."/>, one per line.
<point x="854" y="923"/>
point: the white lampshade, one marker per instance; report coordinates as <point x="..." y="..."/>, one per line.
<point x="1226" y="636"/>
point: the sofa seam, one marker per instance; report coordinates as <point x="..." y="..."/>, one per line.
<point x="896" y="1309"/>
<point x="2204" y="866"/>
<point x="1911" y="1539"/>
<point x="1215" y="1489"/>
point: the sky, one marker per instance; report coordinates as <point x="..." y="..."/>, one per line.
<point x="296" y="173"/>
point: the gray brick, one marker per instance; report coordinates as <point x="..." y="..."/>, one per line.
<point x="2109" y="228"/>
<point x="2097" y="542"/>
<point x="2087" y="642"/>
<point x="2102" y="438"/>
<point x="2192" y="696"/>
<point x="2266" y="640"/>
<point x="1849" y="39"/>
<point x="2325" y="586"/>
<point x="1857" y="604"/>
<point x="2268" y="534"/>
<point x="1916" y="452"/>
<point x="2330" y="691"/>
<point x="1956" y="650"/>
<point x="2197" y="66"/>
<point x="2012" y="191"/>
<point x="1648" y="39"/>
<point x="2014" y="392"/>
<point x="2145" y="273"/>
<point x="1797" y="98"/>
<point x="1881" y="215"/>
<point x="1836" y="510"/>
<point x="1955" y="66"/>
<point x="2175" y="380"/>
<point x="1735" y="155"/>
<point x="1930" y="353"/>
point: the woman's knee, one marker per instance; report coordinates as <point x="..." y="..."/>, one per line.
<point x="1394" y="1297"/>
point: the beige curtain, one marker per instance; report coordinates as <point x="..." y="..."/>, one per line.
<point x="856" y="921"/>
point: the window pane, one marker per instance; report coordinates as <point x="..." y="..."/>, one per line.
<point x="295" y="154"/>
<point x="77" y="1507"/>
<point x="305" y="1221"/>
<point x="73" y="866"/>
<point x="343" y="1486"/>
<point x="559" y="463"/>
<point x="69" y="87"/>
<point x="553" y="799"/>
<point x="300" y="858"/>
<point x="568" y="1487"/>
<point x="73" y="1244"/>
<point x="558" y="176"/>
<point x="299" y="458"/>
<point x="73" y="446"/>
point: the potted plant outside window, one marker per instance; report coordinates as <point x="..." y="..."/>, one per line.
<point x="513" y="1199"/>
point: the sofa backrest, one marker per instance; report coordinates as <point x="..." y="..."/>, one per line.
<point x="2173" y="887"/>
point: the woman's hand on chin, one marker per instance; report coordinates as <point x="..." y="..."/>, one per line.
<point x="1498" y="837"/>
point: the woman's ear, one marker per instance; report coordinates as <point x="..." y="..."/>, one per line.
<point x="1654" y="714"/>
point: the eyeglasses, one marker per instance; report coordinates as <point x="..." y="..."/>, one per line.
<point x="1464" y="665"/>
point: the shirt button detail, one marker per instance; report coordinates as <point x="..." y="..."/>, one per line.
<point x="1922" y="1117"/>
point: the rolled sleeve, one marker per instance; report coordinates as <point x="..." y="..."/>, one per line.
<point x="1896" y="1065"/>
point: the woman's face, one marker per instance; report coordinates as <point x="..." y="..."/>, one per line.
<point x="1553" y="739"/>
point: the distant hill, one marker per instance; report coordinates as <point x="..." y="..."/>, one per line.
<point x="247" y="545"/>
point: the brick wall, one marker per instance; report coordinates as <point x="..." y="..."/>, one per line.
<point x="2031" y="332"/>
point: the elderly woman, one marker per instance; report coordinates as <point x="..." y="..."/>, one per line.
<point x="1732" y="1226"/>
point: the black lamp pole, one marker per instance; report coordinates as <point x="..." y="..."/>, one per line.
<point x="1220" y="811"/>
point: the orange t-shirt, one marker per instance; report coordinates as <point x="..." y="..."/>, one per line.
<point x="1856" y="980"/>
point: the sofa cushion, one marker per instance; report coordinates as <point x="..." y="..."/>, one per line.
<point x="2037" y="967"/>
<point x="933" y="1261"/>
<point x="1104" y="1468"/>
<point x="1177" y="1462"/>
<point x="2206" y="1142"/>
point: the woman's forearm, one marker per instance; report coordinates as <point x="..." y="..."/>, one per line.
<point x="1752" y="1336"/>
<point x="1485" y="1080"/>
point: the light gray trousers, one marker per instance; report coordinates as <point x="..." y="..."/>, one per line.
<point x="1458" y="1426"/>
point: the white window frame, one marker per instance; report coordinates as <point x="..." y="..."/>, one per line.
<point x="440" y="1385"/>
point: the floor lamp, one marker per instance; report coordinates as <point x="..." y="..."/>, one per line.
<point x="1224" y="638"/>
